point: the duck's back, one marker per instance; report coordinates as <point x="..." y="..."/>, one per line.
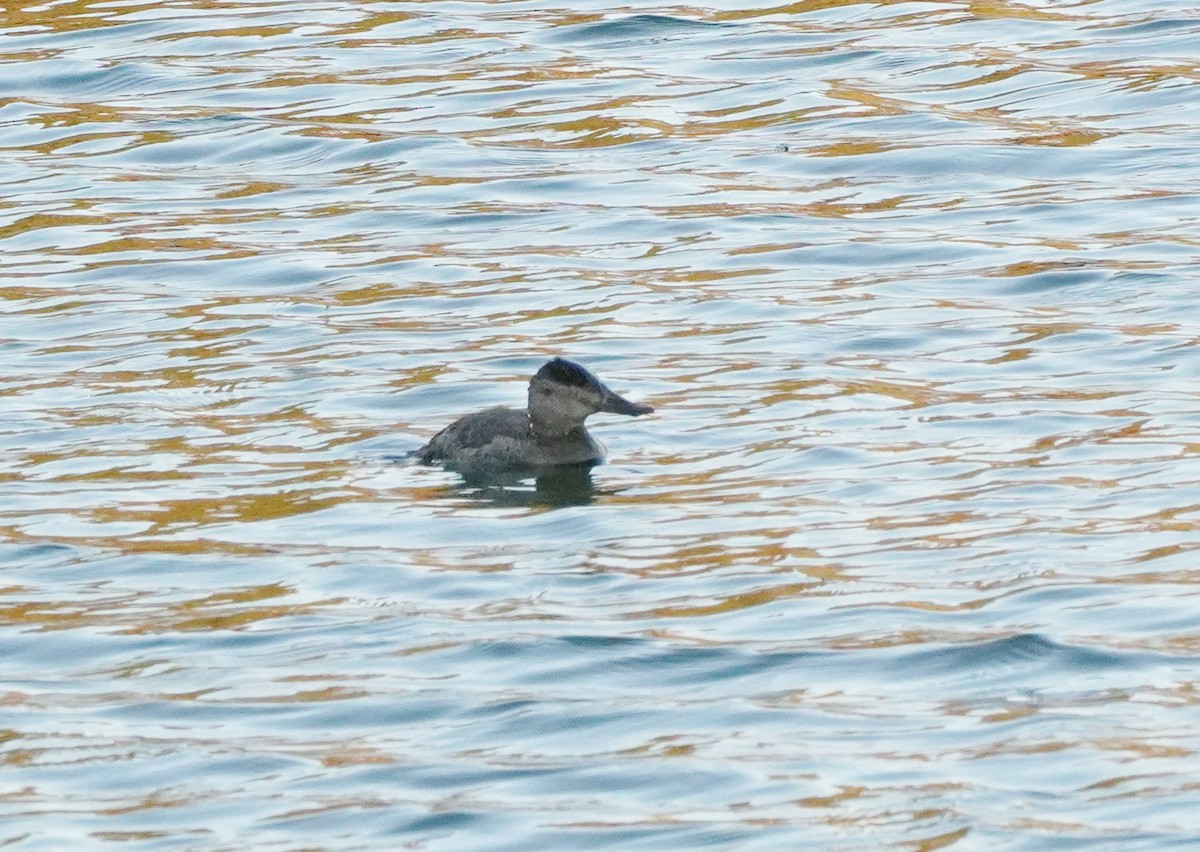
<point x="498" y="437"/>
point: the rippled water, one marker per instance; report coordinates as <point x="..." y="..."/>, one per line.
<point x="905" y="556"/>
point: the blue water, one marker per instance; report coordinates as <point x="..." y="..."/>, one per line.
<point x="904" y="557"/>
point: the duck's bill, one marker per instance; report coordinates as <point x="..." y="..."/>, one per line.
<point x="614" y="404"/>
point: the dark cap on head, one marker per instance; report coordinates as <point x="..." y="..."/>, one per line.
<point x="567" y="373"/>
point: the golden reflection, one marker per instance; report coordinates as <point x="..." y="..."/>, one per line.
<point x="994" y="75"/>
<point x="943" y="519"/>
<point x="257" y="187"/>
<point x="316" y="696"/>
<point x="664" y="746"/>
<point x="348" y="755"/>
<point x="1012" y="713"/>
<point x="1029" y="267"/>
<point x="46" y="615"/>
<point x="37" y="222"/>
<point x="765" y="248"/>
<point x="261" y="31"/>
<point x="803" y="7"/>
<point x="1050" y="827"/>
<point x="69" y="15"/>
<point x="152" y="802"/>
<point x="1067" y="138"/>
<point x="730" y="603"/>
<point x="243" y="508"/>
<point x="1147" y="750"/>
<point x="1035" y="332"/>
<point x="844" y="794"/>
<point x="594" y="131"/>
<point x="903" y="638"/>
<point x="248" y="595"/>
<point x="154" y="245"/>
<point x="230" y="610"/>
<point x="227" y="611"/>
<point x="879" y="105"/>
<point x="373" y="20"/>
<point x="856" y="148"/>
<point x="131" y="545"/>
<point x="1010" y="356"/>
<point x="941" y="841"/>
<point x="20" y="757"/>
<point x="1021" y="11"/>
<point x="342" y="129"/>
<point x="84" y="114"/>
<point x="914" y="395"/>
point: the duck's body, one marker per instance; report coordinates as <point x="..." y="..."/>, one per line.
<point x="548" y="434"/>
<point x="504" y="438"/>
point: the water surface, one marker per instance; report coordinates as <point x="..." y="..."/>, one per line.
<point x="904" y="558"/>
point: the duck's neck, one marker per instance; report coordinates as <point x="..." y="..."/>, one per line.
<point x="554" y="428"/>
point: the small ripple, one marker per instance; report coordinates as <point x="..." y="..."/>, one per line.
<point x="631" y="31"/>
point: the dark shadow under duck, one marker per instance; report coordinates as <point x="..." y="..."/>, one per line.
<point x="546" y="436"/>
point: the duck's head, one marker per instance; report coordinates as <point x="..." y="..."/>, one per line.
<point x="562" y="394"/>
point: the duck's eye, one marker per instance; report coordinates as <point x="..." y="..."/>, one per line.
<point x="546" y="391"/>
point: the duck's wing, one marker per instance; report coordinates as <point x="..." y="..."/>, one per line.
<point x="469" y="434"/>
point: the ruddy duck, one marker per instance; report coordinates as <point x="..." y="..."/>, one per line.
<point x="548" y="434"/>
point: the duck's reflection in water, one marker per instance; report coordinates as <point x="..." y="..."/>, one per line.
<point x="564" y="485"/>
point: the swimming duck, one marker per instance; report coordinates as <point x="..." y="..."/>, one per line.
<point x="548" y="434"/>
